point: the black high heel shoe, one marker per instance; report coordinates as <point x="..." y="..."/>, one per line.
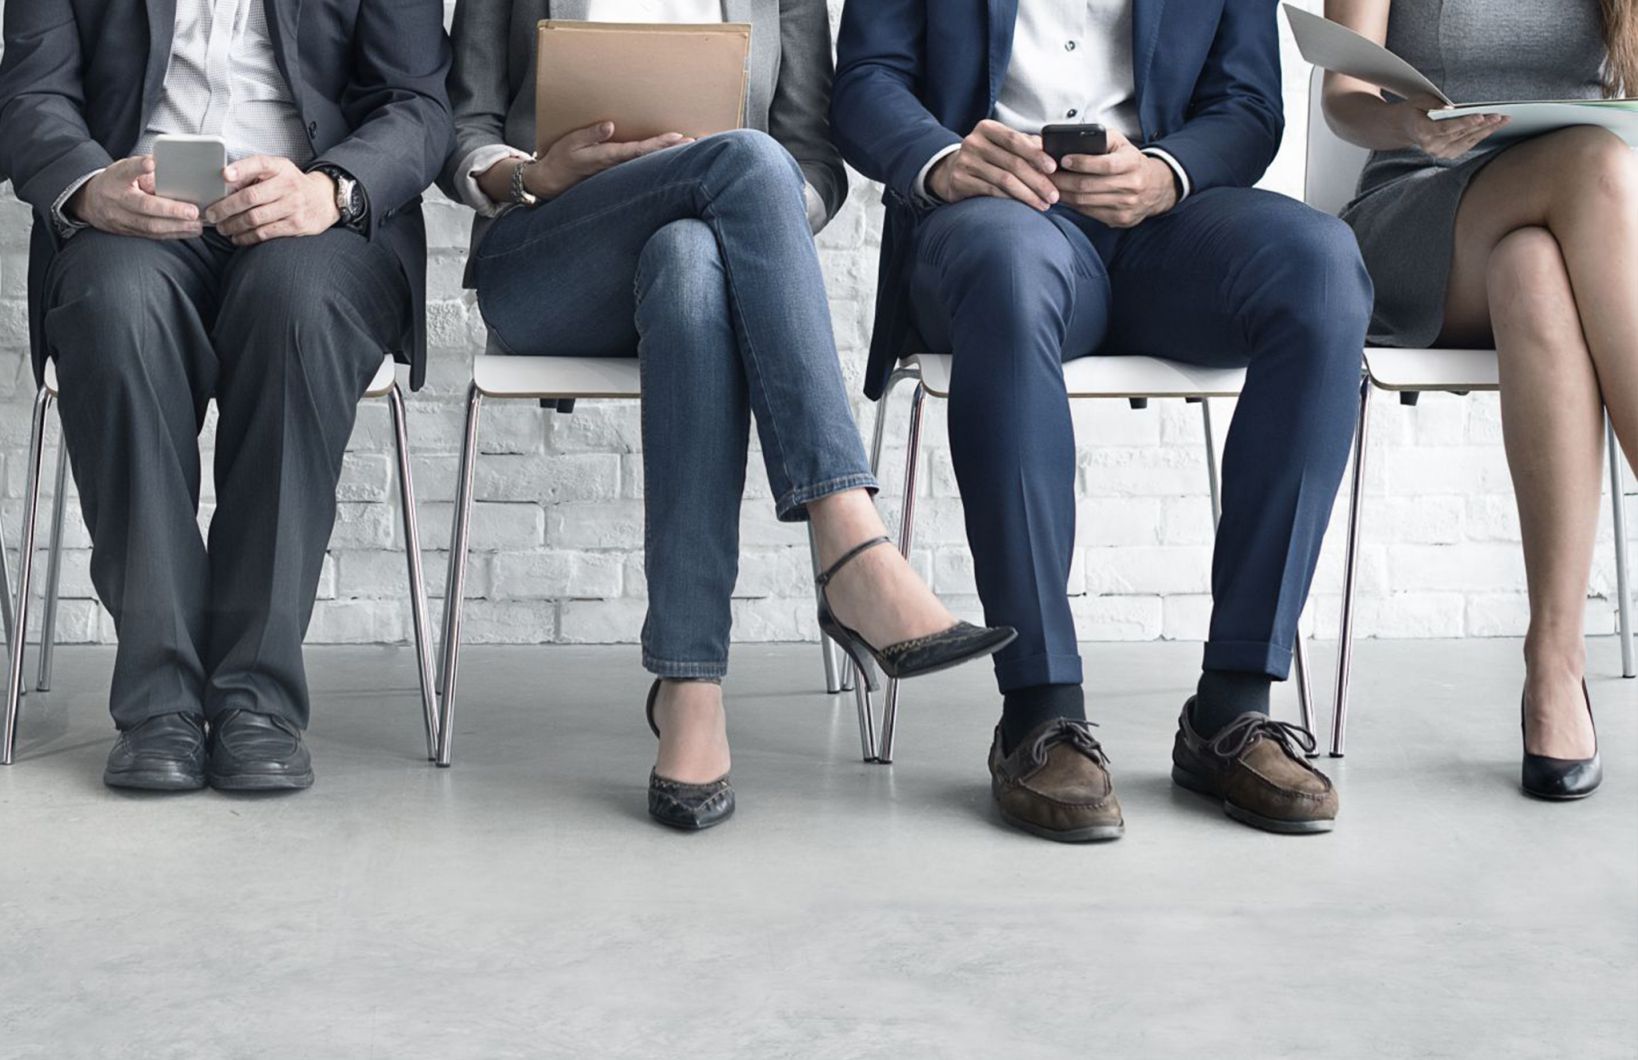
<point x="689" y="807"/>
<point x="962" y="642"/>
<point x="1562" y="779"/>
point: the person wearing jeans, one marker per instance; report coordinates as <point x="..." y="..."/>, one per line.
<point x="1016" y="262"/>
<point x="699" y="257"/>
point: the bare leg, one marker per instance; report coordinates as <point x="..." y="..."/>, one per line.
<point x="693" y="732"/>
<point x="1545" y="242"/>
<point x="1553" y="422"/>
<point x="878" y="594"/>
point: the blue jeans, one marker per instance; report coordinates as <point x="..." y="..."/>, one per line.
<point x="1231" y="278"/>
<point x="700" y="260"/>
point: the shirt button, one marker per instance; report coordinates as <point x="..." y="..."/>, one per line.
<point x="1072" y="113"/>
<point x="1070" y="46"/>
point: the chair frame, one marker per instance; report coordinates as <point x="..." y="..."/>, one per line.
<point x="907" y="372"/>
<point x="17" y="609"/>
<point x="561" y="395"/>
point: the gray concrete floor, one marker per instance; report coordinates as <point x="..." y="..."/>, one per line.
<point x="521" y="905"/>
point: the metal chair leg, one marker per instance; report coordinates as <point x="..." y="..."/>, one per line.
<point x="417" y="576"/>
<point x="827" y="649"/>
<point x="25" y="570"/>
<point x="1345" y="633"/>
<point x="1623" y="587"/>
<point x="1305" y="692"/>
<point x="54" y="572"/>
<point x="5" y="587"/>
<point x="455" y="585"/>
<point x="907" y="523"/>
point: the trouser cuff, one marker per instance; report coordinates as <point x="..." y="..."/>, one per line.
<point x="1246" y="656"/>
<point x="1013" y="674"/>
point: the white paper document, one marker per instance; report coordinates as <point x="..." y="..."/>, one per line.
<point x="1339" y="49"/>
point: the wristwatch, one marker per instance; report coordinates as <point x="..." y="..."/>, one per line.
<point x="350" y="202"/>
<point x="521" y="195"/>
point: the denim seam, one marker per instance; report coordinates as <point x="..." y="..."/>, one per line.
<point x="788" y="504"/>
<point x="672" y="668"/>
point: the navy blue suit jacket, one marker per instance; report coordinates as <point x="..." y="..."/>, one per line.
<point x="79" y="79"/>
<point x="915" y="76"/>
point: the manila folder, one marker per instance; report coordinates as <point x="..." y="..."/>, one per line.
<point x="647" y="79"/>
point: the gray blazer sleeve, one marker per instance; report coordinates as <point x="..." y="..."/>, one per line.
<point x="799" y="117"/>
<point x="45" y="145"/>
<point x="480" y="91"/>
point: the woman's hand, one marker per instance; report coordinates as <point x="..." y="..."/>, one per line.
<point x="585" y="153"/>
<point x="1451" y="138"/>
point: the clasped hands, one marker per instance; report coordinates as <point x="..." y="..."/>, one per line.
<point x="1122" y="189"/>
<point x="268" y="198"/>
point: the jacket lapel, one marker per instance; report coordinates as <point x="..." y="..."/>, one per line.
<point x="1146" y="15"/>
<point x="1003" y="25"/>
<point x="283" y="22"/>
<point x="161" y="30"/>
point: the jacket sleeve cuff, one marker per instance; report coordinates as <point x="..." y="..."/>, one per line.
<point x="923" y="195"/>
<point x="476" y="162"/>
<point x="1184" y="186"/>
<point x="66" y="225"/>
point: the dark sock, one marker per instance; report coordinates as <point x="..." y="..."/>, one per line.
<point x="1224" y="695"/>
<point x="1024" y="710"/>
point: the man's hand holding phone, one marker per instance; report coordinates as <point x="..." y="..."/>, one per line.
<point x="1122" y="189"/>
<point x="121" y="200"/>
<point x="998" y="162"/>
<point x="271" y="198"/>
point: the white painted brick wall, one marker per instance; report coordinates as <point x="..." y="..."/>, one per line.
<point x="558" y="525"/>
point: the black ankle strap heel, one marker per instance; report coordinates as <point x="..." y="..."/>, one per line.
<point x="962" y="642"/>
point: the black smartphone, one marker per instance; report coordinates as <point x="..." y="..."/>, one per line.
<point x="1060" y="141"/>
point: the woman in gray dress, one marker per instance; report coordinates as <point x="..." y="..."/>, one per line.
<point x="1531" y="246"/>
<point x="697" y="258"/>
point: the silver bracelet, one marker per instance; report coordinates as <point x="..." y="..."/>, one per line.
<point x="521" y="195"/>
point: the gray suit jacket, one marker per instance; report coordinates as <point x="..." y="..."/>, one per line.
<point x="492" y="82"/>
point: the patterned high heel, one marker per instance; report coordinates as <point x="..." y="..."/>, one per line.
<point x="688" y="807"/>
<point x="962" y="642"/>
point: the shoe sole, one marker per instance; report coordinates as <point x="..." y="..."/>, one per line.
<point x="153" y="780"/>
<point x="1542" y="796"/>
<point x="680" y="825"/>
<point x="1200" y="786"/>
<point x="1098" y="833"/>
<point x="263" y="782"/>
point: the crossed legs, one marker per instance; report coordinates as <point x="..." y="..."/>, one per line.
<point x="1546" y="245"/>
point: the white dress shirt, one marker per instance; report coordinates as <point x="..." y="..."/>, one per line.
<point x="222" y="80"/>
<point x="1072" y="65"/>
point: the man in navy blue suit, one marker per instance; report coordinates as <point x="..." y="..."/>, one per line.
<point x="1015" y="264"/>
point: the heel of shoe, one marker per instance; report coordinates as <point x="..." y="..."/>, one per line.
<point x="857" y="651"/>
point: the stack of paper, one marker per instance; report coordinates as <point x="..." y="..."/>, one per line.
<point x="1339" y="49"/>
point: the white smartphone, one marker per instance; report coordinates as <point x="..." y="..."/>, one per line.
<point x="189" y="168"/>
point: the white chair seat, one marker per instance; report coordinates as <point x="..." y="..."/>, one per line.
<point x="556" y="378"/>
<point x="1432" y="370"/>
<point x="1112" y="377"/>
<point x="385" y="376"/>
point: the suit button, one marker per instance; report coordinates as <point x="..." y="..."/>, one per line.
<point x="312" y="128"/>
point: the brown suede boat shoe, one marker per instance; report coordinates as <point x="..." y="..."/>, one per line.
<point x="1056" y="784"/>
<point x="1254" y="767"/>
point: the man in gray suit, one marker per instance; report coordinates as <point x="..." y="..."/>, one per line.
<point x="278" y="300"/>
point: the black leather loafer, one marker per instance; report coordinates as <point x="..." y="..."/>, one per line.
<point x="687" y="807"/>
<point x="257" y="752"/>
<point x="164" y="753"/>
<point x="1562" y="779"/>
